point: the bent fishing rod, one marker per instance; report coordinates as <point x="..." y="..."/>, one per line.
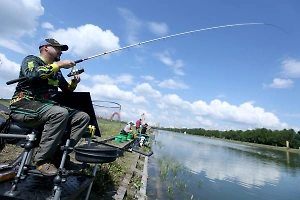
<point x="79" y="71"/>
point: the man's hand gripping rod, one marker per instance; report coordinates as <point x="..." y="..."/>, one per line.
<point x="72" y="73"/>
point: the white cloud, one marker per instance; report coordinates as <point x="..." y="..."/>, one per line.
<point x="8" y="69"/>
<point x="13" y="45"/>
<point x="148" y="78"/>
<point x="245" y="113"/>
<point x="7" y="91"/>
<point x="105" y="79"/>
<point x="132" y="25"/>
<point x="280" y="83"/>
<point x="18" y="18"/>
<point x="172" y="101"/>
<point x="205" y="122"/>
<point x="221" y="96"/>
<point x="176" y="65"/>
<point x="147" y="91"/>
<point x="290" y="68"/>
<point x="86" y="40"/>
<point x="106" y="91"/>
<point x="47" y="25"/>
<point x="158" y="28"/>
<point x="171" y="84"/>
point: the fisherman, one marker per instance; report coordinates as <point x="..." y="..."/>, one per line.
<point x="145" y="128"/>
<point x="127" y="129"/>
<point x="138" y="125"/>
<point x="33" y="104"/>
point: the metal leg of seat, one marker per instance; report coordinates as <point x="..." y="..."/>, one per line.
<point x="58" y="179"/>
<point x="91" y="184"/>
<point x="94" y="173"/>
<point x="27" y="152"/>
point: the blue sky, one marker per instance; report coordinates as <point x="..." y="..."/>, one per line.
<point x="241" y="77"/>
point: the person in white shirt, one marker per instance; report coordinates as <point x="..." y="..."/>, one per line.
<point x="127" y="129"/>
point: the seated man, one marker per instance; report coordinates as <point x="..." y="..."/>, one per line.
<point x="145" y="128"/>
<point x="33" y="104"/>
<point x="127" y="129"/>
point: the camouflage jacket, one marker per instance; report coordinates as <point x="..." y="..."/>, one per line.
<point x="42" y="80"/>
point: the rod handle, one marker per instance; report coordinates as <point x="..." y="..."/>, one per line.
<point x="15" y="80"/>
<point x="78" y="61"/>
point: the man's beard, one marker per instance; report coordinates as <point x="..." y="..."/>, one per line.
<point x="57" y="58"/>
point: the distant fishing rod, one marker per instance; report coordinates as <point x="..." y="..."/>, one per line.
<point x="79" y="71"/>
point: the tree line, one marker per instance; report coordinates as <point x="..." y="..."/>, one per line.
<point x="259" y="136"/>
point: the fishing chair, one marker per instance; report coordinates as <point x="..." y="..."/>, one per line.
<point x="29" y="138"/>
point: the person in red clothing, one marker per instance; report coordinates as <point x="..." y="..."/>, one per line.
<point x="138" y="125"/>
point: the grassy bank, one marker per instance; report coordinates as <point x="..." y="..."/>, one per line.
<point x="4" y="102"/>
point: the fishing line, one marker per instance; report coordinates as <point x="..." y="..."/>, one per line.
<point x="175" y="35"/>
<point x="74" y="72"/>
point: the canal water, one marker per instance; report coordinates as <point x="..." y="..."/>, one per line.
<point x="188" y="167"/>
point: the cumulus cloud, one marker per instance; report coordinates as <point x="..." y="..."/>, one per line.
<point x="245" y="113"/>
<point x="171" y="84"/>
<point x="132" y="25"/>
<point x="205" y="122"/>
<point x="112" y="92"/>
<point x="146" y="90"/>
<point x="171" y="101"/>
<point x="148" y="78"/>
<point x="280" y="83"/>
<point x="221" y="96"/>
<point x="47" y="25"/>
<point x="290" y="68"/>
<point x="158" y="28"/>
<point x="6" y="91"/>
<point x="8" y="69"/>
<point x="86" y="40"/>
<point x="18" y="18"/>
<point x="176" y="65"/>
<point x="105" y="79"/>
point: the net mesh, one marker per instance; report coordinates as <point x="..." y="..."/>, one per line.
<point x="107" y="110"/>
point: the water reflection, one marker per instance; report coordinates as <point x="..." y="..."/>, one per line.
<point x="218" y="162"/>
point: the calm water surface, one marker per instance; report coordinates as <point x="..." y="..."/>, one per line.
<point x="192" y="167"/>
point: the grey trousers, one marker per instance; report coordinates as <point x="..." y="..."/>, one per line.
<point x="54" y="120"/>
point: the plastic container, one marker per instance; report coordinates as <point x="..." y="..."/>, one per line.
<point x="124" y="138"/>
<point x="129" y="136"/>
<point x="118" y="139"/>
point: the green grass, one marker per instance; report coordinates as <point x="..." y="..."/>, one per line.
<point x="4" y="102"/>
<point x="110" y="128"/>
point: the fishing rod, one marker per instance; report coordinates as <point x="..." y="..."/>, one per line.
<point x="175" y="35"/>
<point x="75" y="72"/>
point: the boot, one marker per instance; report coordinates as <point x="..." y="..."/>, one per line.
<point x="47" y="168"/>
